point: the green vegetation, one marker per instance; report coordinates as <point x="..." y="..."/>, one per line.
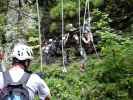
<point x="107" y="78"/>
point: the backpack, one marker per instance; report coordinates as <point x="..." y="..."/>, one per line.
<point x="15" y="90"/>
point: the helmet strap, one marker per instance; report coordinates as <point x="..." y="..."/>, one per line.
<point x="24" y="64"/>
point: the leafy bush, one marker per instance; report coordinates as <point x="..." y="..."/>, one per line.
<point x="107" y="78"/>
<point x="69" y="10"/>
<point x="2" y="31"/>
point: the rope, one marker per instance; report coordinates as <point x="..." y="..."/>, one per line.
<point x="85" y="13"/>
<point x="87" y="7"/>
<point x="62" y="16"/>
<point x="80" y="41"/>
<point x="90" y="29"/>
<point x="39" y="30"/>
<point x="89" y="14"/>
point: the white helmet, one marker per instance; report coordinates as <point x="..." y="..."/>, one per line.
<point x="50" y="40"/>
<point x="22" y="52"/>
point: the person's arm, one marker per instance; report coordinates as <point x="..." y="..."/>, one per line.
<point x="65" y="38"/>
<point x="67" y="35"/>
<point x="43" y="91"/>
<point x="90" y="36"/>
<point x="43" y="47"/>
<point x="84" y="40"/>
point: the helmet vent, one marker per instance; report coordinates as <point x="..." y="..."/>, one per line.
<point x="22" y="52"/>
<point x="19" y="53"/>
<point x="28" y="53"/>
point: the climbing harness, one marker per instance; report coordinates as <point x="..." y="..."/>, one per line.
<point x="62" y="17"/>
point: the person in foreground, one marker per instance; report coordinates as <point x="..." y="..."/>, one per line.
<point x="12" y="79"/>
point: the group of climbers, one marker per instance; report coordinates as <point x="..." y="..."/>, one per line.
<point x="70" y="39"/>
<point x="18" y="83"/>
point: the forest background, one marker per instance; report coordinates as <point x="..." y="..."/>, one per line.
<point x="107" y="78"/>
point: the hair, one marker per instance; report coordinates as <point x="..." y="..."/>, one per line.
<point x="21" y="62"/>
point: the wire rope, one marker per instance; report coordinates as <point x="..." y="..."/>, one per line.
<point x="62" y="18"/>
<point x="85" y="14"/>
<point x="90" y="29"/>
<point x="39" y="30"/>
<point x="80" y="39"/>
<point x="87" y="7"/>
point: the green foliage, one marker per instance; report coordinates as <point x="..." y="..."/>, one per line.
<point x="120" y="12"/>
<point x="97" y="3"/>
<point x="108" y="78"/>
<point x="100" y="21"/>
<point x="114" y="70"/>
<point x="3" y="6"/>
<point x="2" y="19"/>
<point x="53" y="27"/>
<point x="70" y="10"/>
<point x="33" y="39"/>
<point x="2" y="32"/>
<point x="64" y="86"/>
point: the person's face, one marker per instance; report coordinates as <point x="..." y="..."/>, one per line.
<point x="86" y="34"/>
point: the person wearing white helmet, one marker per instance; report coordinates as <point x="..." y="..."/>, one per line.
<point x="21" y="58"/>
<point x="50" y="40"/>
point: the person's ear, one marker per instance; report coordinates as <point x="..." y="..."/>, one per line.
<point x="27" y="63"/>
